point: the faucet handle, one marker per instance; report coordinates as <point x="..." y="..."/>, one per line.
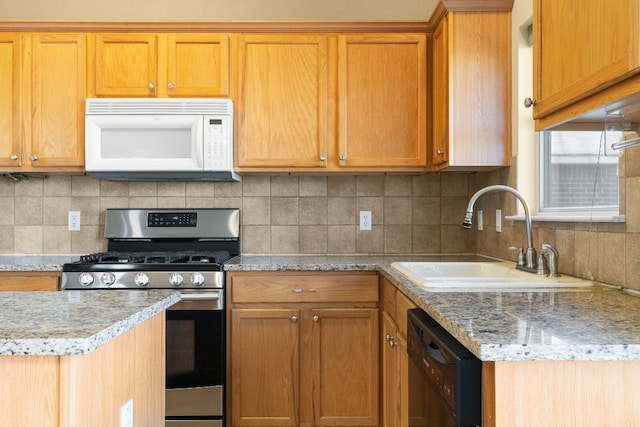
<point x="520" y="260"/>
<point x="542" y="265"/>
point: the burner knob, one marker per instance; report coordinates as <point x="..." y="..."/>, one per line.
<point x="176" y="279"/>
<point x="197" y="279"/>
<point x="107" y="279"/>
<point x="85" y="279"/>
<point x="141" y="280"/>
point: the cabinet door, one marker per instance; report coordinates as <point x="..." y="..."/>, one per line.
<point x="10" y="78"/>
<point x="126" y="64"/>
<point x="440" y="91"/>
<point x="282" y="107"/>
<point x="58" y="93"/>
<point x="345" y="366"/>
<point x="382" y="82"/>
<point x="472" y="119"/>
<point x="265" y="354"/>
<point x="390" y="373"/>
<point x="581" y="47"/>
<point x="198" y="65"/>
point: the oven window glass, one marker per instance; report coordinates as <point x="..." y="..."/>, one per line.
<point x="195" y="348"/>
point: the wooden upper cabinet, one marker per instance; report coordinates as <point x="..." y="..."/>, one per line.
<point x="55" y="136"/>
<point x="282" y="111"/>
<point x="582" y="47"/>
<point x="382" y="98"/>
<point x="150" y="65"/>
<point x="10" y="110"/>
<point x="471" y="102"/>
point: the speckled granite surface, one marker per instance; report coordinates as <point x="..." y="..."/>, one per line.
<point x="35" y="262"/>
<point x="595" y="323"/>
<point x="73" y="322"/>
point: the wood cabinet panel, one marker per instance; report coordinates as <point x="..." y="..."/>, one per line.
<point x="10" y="108"/>
<point x="382" y="98"/>
<point x="582" y="47"/>
<point x="472" y="91"/>
<point x="29" y="281"/>
<point x="329" y="287"/>
<point x="308" y="362"/>
<point x="58" y="91"/>
<point x="283" y="96"/>
<point x="197" y="65"/>
<point x="126" y="64"/>
<point x="265" y="354"/>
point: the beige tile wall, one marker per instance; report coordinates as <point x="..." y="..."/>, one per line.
<point x="280" y="214"/>
<point x="609" y="253"/>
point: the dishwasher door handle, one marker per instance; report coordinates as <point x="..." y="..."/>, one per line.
<point x="435" y="353"/>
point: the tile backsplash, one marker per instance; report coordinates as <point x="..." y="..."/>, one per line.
<point x="280" y="214"/>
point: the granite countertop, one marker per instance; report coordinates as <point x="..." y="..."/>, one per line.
<point x="73" y="322"/>
<point x="594" y="323"/>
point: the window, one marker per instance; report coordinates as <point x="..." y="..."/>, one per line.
<point x="578" y="174"/>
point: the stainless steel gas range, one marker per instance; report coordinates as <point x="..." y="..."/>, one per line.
<point x="181" y="249"/>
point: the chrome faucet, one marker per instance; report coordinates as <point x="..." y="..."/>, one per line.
<point x="530" y="255"/>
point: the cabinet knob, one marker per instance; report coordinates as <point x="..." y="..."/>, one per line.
<point x="439" y="152"/>
<point x="316" y="319"/>
<point x="392" y="343"/>
<point x="14" y="157"/>
<point x="323" y="158"/>
<point x="529" y="102"/>
<point x="294" y="319"/>
<point x="34" y="157"/>
<point x="170" y="85"/>
<point x="343" y="157"/>
<point x="297" y="290"/>
<point x="150" y="86"/>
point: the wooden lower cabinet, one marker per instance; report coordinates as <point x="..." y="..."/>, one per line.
<point x="29" y="281"/>
<point x="303" y="349"/>
<point x="395" y="359"/>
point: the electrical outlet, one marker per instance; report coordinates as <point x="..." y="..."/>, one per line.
<point x="479" y="220"/>
<point x="126" y="414"/>
<point x="74" y="220"/>
<point x="499" y="220"/>
<point x="365" y="220"/>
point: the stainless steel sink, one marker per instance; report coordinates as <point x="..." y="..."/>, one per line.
<point x="480" y="275"/>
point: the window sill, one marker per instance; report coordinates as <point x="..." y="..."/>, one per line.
<point x="556" y="217"/>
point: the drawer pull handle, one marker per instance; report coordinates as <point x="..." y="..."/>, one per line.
<point x="297" y="290"/>
<point x="313" y="290"/>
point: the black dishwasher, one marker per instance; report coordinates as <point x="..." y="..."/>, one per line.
<point x="445" y="379"/>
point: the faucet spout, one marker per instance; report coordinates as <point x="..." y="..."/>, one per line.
<point x="468" y="220"/>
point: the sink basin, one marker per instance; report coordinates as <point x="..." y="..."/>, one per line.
<point x="480" y="275"/>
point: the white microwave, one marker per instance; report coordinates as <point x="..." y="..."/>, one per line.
<point x="159" y="139"/>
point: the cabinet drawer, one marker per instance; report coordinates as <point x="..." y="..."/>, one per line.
<point x="303" y="287"/>
<point x="28" y="281"/>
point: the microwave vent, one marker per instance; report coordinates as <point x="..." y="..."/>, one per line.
<point x="216" y="106"/>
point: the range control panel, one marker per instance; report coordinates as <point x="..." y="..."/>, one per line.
<point x="172" y="219"/>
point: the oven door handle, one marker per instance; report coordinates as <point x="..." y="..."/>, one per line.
<point x="209" y="296"/>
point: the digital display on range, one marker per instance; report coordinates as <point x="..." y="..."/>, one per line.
<point x="172" y="219"/>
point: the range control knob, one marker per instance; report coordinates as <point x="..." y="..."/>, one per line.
<point x="197" y="279"/>
<point x="85" y="279"/>
<point x="176" y="280"/>
<point x="141" y="280"/>
<point x="107" y="279"/>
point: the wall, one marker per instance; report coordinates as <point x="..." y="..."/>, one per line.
<point x="218" y="10"/>
<point x="279" y="214"/>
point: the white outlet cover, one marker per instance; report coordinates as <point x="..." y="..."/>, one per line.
<point x="365" y="220"/>
<point x="74" y="220"/>
<point x="126" y="414"/>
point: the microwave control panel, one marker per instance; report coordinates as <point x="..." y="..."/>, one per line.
<point x="218" y="148"/>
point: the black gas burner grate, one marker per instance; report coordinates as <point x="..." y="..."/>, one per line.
<point x="115" y="257"/>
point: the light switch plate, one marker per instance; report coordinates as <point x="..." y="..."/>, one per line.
<point x="499" y="220"/>
<point x="479" y="221"/>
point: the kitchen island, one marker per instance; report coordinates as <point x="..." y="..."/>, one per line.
<point x="551" y="357"/>
<point x="78" y="358"/>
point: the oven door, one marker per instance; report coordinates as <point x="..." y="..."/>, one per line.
<point x="195" y="361"/>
